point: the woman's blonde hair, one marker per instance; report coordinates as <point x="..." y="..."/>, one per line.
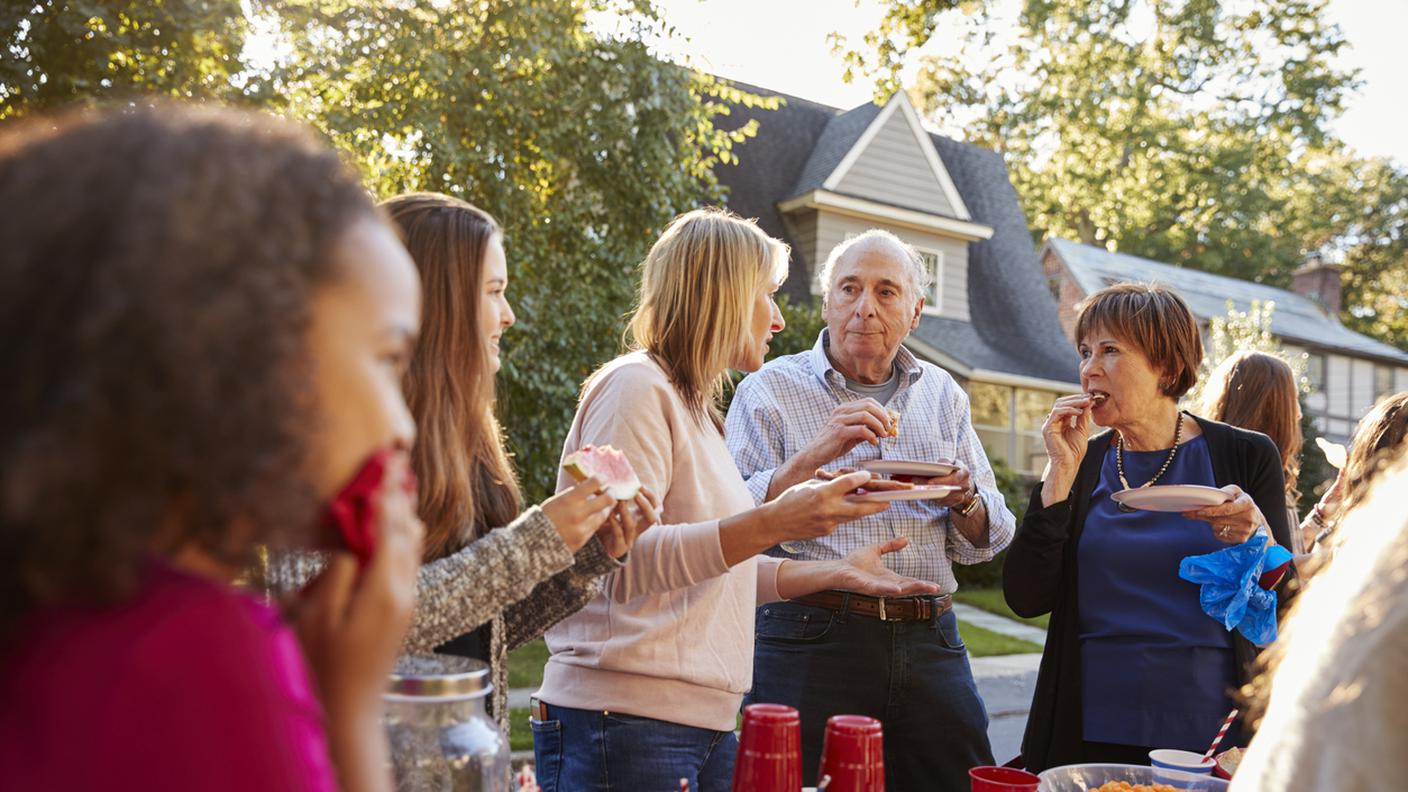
<point x="697" y="292"/>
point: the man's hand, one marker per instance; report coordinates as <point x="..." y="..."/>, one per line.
<point x="960" y="478"/>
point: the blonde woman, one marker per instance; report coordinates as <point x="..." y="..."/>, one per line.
<point x="644" y="683"/>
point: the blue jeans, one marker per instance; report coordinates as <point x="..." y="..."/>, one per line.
<point x="589" y="751"/>
<point x="912" y="676"/>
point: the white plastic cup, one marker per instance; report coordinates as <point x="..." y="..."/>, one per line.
<point x="1185" y="761"/>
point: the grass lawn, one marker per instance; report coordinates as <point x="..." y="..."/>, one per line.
<point x="990" y="600"/>
<point x="986" y="643"/>
<point x="525" y="665"/>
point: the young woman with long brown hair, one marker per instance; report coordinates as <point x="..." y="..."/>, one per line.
<point x="493" y="579"/>
<point x="1257" y="391"/>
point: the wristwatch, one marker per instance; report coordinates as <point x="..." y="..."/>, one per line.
<point x="969" y="506"/>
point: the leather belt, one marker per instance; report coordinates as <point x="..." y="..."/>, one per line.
<point x="889" y="609"/>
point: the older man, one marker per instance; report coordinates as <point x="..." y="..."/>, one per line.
<point x="899" y="660"/>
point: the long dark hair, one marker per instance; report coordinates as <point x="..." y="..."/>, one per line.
<point x="1257" y="391"/>
<point x="154" y="295"/>
<point x="467" y="484"/>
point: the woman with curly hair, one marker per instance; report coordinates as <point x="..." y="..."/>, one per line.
<point x="204" y="324"/>
<point x="493" y="579"/>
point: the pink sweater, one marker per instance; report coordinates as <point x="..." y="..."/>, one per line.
<point x="671" y="635"/>
<point x="189" y="684"/>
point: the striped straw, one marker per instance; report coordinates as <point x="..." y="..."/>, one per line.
<point x="1216" y="741"/>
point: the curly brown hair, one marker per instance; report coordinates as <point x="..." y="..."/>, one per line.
<point x="154" y="296"/>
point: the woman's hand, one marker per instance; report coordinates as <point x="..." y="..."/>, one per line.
<point x="863" y="572"/>
<point x="578" y="513"/>
<point x="814" y="508"/>
<point x="1066" y="435"/>
<point x="351" y="626"/>
<point x="1235" y="521"/>
<point x="627" y="522"/>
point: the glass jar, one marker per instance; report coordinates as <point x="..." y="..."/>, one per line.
<point x="442" y="740"/>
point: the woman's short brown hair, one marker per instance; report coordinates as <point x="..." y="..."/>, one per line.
<point x="1155" y="320"/>
<point x="155" y="291"/>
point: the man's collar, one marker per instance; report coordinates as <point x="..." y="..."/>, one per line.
<point x="821" y="362"/>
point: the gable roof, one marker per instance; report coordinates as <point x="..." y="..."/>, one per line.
<point x="1297" y="318"/>
<point x="847" y="140"/>
<point x="1014" y="328"/>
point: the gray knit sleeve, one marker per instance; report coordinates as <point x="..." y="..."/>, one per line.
<point x="460" y="592"/>
<point x="559" y="596"/>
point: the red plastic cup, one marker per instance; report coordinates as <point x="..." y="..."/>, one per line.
<point x="769" y="750"/>
<point x="853" y="754"/>
<point x="1002" y="779"/>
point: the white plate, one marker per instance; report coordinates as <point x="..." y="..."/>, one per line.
<point x="1171" y="497"/>
<point x="918" y="493"/>
<point x="906" y="467"/>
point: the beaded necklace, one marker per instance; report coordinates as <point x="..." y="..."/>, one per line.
<point x="1119" y="460"/>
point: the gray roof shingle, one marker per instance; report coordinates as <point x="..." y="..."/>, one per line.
<point x="1014" y="327"/>
<point x="1297" y="319"/>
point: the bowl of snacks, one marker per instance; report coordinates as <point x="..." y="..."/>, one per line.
<point x="1125" y="778"/>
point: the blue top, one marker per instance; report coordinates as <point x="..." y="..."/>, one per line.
<point x="1155" y="669"/>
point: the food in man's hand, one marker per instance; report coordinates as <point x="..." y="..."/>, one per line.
<point x="892" y="427"/>
<point x="608" y="466"/>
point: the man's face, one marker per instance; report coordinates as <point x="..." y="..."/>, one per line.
<point x="871" y="307"/>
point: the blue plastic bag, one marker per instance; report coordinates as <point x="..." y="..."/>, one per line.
<point x="1231" y="591"/>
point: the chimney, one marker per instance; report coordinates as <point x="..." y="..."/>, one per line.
<point x="1319" y="280"/>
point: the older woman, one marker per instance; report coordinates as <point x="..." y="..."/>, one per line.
<point x="1131" y="661"/>
<point x="644" y="683"/>
<point x="1257" y="391"/>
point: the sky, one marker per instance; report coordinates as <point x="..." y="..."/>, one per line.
<point x="782" y="45"/>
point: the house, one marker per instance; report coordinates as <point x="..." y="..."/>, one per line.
<point x="999" y="312"/>
<point x="815" y="175"/>
<point x="1347" y="372"/>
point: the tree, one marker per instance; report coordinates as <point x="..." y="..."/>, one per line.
<point x="58" y="53"/>
<point x="583" y="144"/>
<point x="1187" y="131"/>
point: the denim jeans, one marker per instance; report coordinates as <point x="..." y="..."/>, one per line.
<point x="591" y="751"/>
<point x="912" y="676"/>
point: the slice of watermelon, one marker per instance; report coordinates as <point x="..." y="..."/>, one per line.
<point x="608" y="465"/>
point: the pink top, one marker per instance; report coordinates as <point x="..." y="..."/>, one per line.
<point x="190" y="684"/>
<point x="671" y="635"/>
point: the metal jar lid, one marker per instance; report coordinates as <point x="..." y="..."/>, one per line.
<point x="439" y="677"/>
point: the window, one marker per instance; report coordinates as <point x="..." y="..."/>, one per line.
<point x="1383" y="381"/>
<point x="1315" y="372"/>
<point x="933" y="265"/>
<point x="1008" y="422"/>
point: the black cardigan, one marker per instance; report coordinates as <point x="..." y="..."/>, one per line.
<point x="1039" y="576"/>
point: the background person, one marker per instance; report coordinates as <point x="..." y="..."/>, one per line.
<point x="1257" y="391"/>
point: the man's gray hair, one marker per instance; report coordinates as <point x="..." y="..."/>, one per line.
<point x="918" y="273"/>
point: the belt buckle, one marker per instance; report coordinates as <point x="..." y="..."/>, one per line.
<point x="885" y="617"/>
